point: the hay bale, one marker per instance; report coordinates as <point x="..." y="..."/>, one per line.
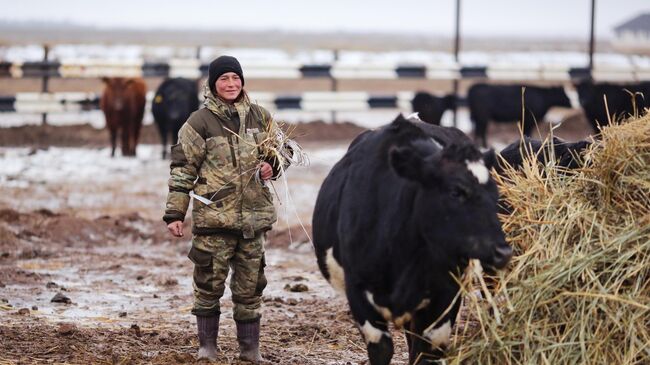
<point x="578" y="289"/>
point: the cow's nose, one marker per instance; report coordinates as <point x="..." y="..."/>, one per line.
<point x="502" y="256"/>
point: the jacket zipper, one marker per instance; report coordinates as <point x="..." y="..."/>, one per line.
<point x="231" y="139"/>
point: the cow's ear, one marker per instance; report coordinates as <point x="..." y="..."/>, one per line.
<point x="489" y="158"/>
<point x="106" y="80"/>
<point x="406" y="162"/>
<point x="398" y="122"/>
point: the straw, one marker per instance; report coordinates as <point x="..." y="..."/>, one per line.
<point x="578" y="289"/>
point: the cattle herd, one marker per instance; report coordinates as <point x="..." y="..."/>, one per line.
<point x="398" y="218"/>
<point x="601" y="102"/>
<point x="410" y="203"/>
<point x="123" y="104"/>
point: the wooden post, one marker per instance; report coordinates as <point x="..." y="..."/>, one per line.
<point x="591" y="39"/>
<point x="334" y="84"/>
<point x="456" y="58"/>
<point x="46" y="79"/>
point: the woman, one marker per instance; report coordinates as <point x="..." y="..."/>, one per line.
<point x="221" y="161"/>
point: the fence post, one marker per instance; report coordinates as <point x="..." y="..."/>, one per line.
<point x="46" y="78"/>
<point x="591" y="40"/>
<point x="198" y="79"/>
<point x="457" y="59"/>
<point x="334" y="84"/>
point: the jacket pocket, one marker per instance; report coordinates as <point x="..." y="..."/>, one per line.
<point x="219" y="195"/>
<point x="219" y="151"/>
<point x="203" y="270"/>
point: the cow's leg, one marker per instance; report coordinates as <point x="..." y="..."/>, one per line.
<point x="428" y="340"/>
<point x="137" y="127"/>
<point x="162" y="131"/>
<point x="528" y="125"/>
<point x="135" y="137"/>
<point x="113" y="133"/>
<point x="480" y="129"/>
<point x="124" y="137"/>
<point x="372" y="325"/>
<point x="176" y="126"/>
<point x="163" y="140"/>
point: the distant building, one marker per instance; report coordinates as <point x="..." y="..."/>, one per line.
<point x="634" y="33"/>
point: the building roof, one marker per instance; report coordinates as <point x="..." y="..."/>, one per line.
<point x="640" y="23"/>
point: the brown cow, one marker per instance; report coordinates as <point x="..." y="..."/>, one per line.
<point x="123" y="105"/>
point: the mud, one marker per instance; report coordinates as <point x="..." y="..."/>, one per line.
<point x="130" y="295"/>
<point x="85" y="135"/>
<point x="77" y="224"/>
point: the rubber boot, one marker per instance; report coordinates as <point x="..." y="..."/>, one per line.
<point x="208" y="332"/>
<point x="248" y="337"/>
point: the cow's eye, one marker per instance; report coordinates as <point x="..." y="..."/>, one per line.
<point x="459" y="192"/>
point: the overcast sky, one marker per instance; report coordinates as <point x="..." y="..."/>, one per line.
<point x="545" y="18"/>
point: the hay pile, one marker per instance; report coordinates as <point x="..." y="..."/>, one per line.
<point x="578" y="289"/>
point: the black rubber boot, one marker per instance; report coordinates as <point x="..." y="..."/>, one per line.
<point x="248" y="337"/>
<point x="208" y="332"/>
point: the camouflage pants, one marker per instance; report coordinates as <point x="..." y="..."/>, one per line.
<point x="212" y="256"/>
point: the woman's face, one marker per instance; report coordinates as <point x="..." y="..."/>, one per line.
<point x="228" y="86"/>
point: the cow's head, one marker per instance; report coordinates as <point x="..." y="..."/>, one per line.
<point x="430" y="108"/>
<point x="455" y="204"/>
<point x="116" y="90"/>
<point x="178" y="99"/>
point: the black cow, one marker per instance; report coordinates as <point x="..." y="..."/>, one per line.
<point x="620" y="103"/>
<point x="408" y="205"/>
<point x="430" y="108"/>
<point x="502" y="103"/>
<point x="566" y="154"/>
<point x="173" y="103"/>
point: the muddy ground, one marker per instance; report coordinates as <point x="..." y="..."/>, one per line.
<point x="85" y="229"/>
<point x="88" y="273"/>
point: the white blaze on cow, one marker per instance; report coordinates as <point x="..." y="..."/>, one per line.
<point x="337" y="277"/>
<point x="439" y="337"/>
<point x="415" y="115"/>
<point x="572" y="94"/>
<point x="372" y="334"/>
<point x="385" y="312"/>
<point x="478" y="169"/>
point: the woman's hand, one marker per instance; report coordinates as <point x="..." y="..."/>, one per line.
<point x="176" y="228"/>
<point x="266" y="171"/>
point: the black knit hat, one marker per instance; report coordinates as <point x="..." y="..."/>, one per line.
<point x="220" y="66"/>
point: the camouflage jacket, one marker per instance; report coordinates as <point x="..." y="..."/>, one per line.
<point x="219" y="163"/>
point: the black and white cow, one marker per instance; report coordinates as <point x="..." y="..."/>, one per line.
<point x="430" y="108"/>
<point x="622" y="99"/>
<point x="406" y="207"/>
<point x="503" y="103"/>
